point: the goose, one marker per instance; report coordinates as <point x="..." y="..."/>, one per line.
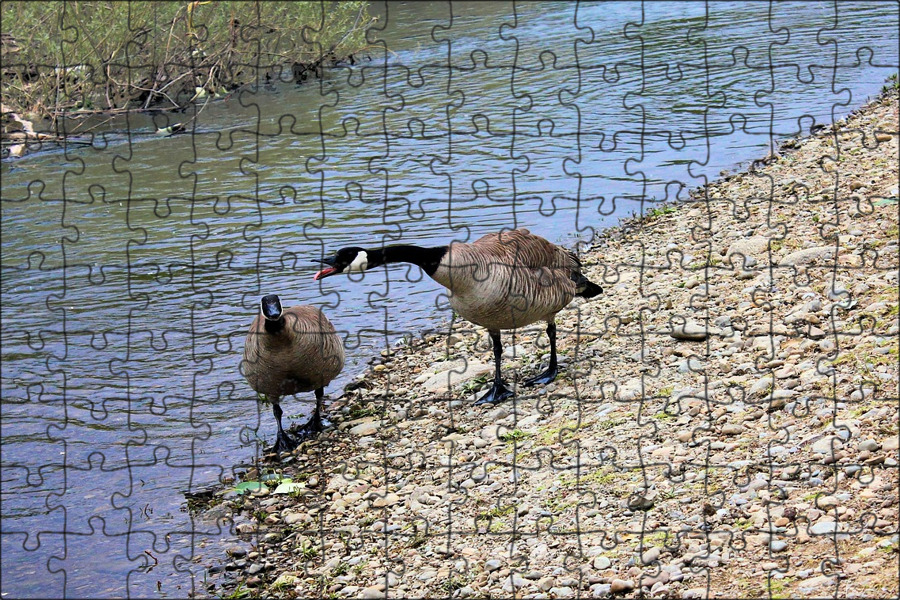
<point x="503" y="280"/>
<point x="287" y="352"/>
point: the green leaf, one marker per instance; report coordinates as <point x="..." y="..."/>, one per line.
<point x="250" y="486"/>
<point x="288" y="487"/>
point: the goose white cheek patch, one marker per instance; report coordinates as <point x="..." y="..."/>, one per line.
<point x="359" y="263"/>
<point x="721" y="421"/>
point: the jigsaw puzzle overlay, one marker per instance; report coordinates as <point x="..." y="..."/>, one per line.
<point x="723" y="420"/>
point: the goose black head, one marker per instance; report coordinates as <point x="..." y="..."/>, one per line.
<point x="346" y="260"/>
<point x="271" y="307"/>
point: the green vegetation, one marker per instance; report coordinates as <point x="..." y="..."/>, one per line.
<point x="892" y="84"/>
<point x="497" y="512"/>
<point x="451" y="584"/>
<point x="369" y="410"/>
<point x="241" y="591"/>
<point x="659" y="211"/>
<point x="474" y="385"/>
<point x="512" y="436"/>
<point x="306" y="550"/>
<point x="65" y="57"/>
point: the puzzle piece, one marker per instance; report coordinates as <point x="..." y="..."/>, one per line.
<point x="723" y="419"/>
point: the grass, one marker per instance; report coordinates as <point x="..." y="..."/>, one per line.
<point x="512" y="436"/>
<point x="307" y="551"/>
<point x="892" y="84"/>
<point x="777" y="586"/>
<point x="475" y="384"/>
<point x="76" y="56"/>
<point x="659" y="211"/>
<point x="497" y="512"/>
<point x="609" y="424"/>
<point x="451" y="584"/>
<point x="549" y="435"/>
<point x="361" y="412"/>
<point x="241" y="591"/>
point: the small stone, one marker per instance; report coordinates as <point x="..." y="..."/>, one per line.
<point x="823" y="528"/>
<point x="600" y="590"/>
<point x="808" y="255"/>
<point x="562" y="592"/>
<point x="732" y="429"/>
<point x="618" y="586"/>
<point x="869" y="446"/>
<point x="492" y="565"/>
<point x="546" y="583"/>
<point x="650" y="555"/>
<point x="689" y="331"/>
<point x="694" y="594"/>
<point x="388" y="500"/>
<point x="601" y="562"/>
<point x="778" y="545"/>
<point x="375" y="591"/>
<point x="514" y="582"/>
<point x="236" y="551"/>
<point x="826" y="502"/>
<point x="364" y="429"/>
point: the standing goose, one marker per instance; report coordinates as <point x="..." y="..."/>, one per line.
<point x="288" y="352"/>
<point x="501" y="281"/>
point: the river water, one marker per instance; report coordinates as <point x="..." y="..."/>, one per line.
<point x="131" y="269"/>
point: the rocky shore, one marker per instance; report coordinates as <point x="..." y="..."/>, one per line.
<point x="725" y="422"/>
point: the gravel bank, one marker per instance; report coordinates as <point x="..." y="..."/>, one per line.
<point x="725" y="422"/>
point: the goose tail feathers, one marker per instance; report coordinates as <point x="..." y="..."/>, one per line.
<point x="586" y="288"/>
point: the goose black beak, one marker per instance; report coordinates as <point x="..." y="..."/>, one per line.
<point x="329" y="270"/>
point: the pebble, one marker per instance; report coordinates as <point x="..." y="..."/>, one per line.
<point x="690" y="331"/>
<point x="492" y="565"/>
<point x="823" y="527"/>
<point x="375" y="591"/>
<point x="617" y="586"/>
<point x="601" y="562"/>
<point x="650" y="555"/>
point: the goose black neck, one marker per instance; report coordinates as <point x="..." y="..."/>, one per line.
<point x="274" y="326"/>
<point x="427" y="258"/>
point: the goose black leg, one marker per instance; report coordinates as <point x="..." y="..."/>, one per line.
<point x="283" y="443"/>
<point x="550" y="374"/>
<point x="498" y="392"/>
<point x="314" y="425"/>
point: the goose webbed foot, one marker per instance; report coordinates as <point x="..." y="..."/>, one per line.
<point x="544" y="378"/>
<point x="498" y="393"/>
<point x="284" y="443"/>
<point x="313" y="426"/>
